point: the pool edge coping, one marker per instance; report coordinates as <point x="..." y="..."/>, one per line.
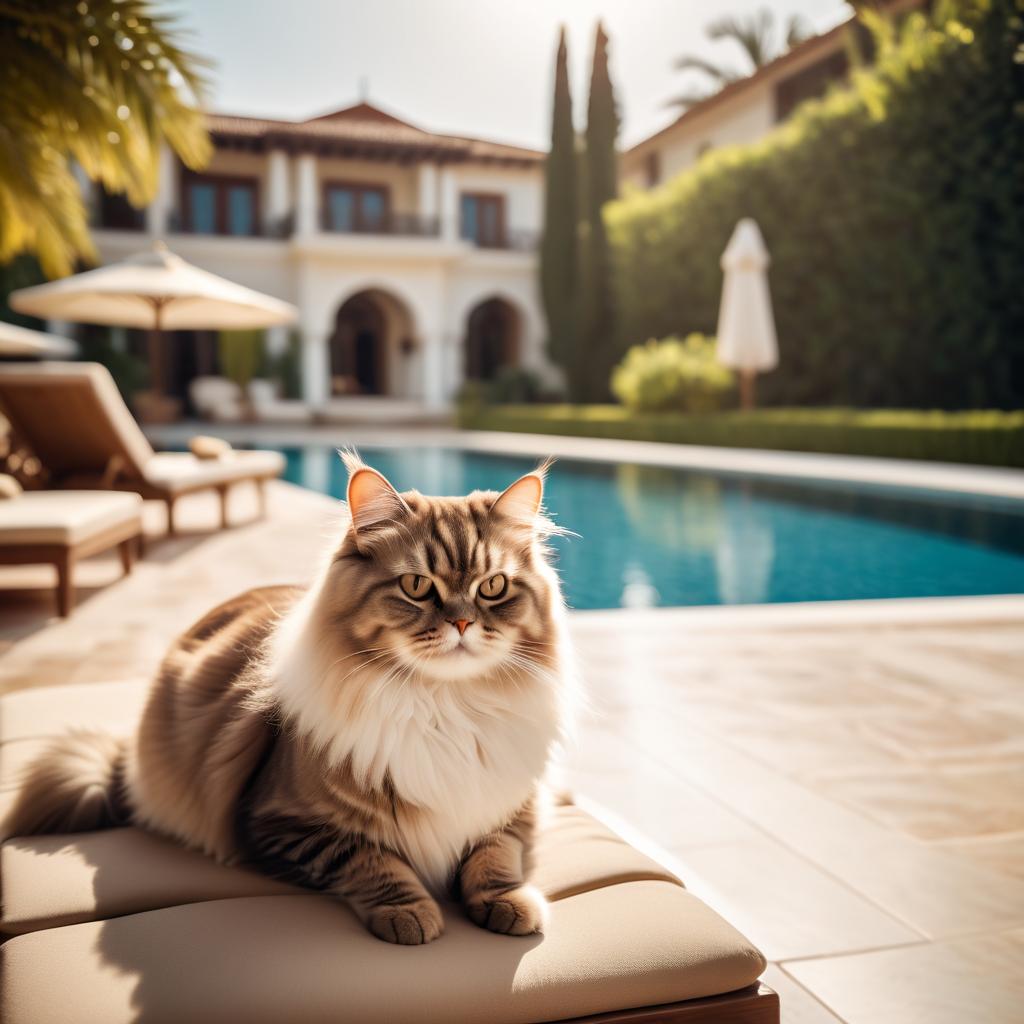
<point x="986" y="481"/>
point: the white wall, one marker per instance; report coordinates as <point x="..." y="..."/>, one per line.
<point x="733" y="123"/>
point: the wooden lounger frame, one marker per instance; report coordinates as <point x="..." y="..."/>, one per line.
<point x="756" y="1004"/>
<point x="126" y="536"/>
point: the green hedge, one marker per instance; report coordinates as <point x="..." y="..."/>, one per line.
<point x="894" y="213"/>
<point x="987" y="437"/>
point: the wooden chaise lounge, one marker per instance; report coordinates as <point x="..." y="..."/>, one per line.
<point x="116" y="926"/>
<point x="61" y="527"/>
<point x="74" y="419"/>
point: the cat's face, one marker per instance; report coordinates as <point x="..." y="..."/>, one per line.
<point x="446" y="588"/>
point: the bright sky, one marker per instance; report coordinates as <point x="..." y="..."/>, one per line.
<point x="473" y="67"/>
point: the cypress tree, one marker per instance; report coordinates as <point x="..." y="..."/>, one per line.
<point x="595" y="348"/>
<point x="558" y="253"/>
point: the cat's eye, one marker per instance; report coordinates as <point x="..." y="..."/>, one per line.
<point x="494" y="587"/>
<point x="417" y="587"/>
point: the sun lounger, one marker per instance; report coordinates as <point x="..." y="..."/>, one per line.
<point x="75" y="420"/>
<point x="121" y="925"/>
<point x="60" y="527"/>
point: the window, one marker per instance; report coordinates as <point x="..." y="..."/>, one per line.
<point x="114" y="211"/>
<point x="652" y="168"/>
<point x="359" y="208"/>
<point x="482" y="219"/>
<point x="220" y="206"/>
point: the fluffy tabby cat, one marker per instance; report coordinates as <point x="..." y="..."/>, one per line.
<point x="381" y="736"/>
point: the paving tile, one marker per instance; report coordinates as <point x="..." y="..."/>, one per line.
<point x="786" y="906"/>
<point x="940" y="803"/>
<point x="797" y="1005"/>
<point x="935" y="892"/>
<point x="1004" y="854"/>
<point x="964" y="733"/>
<point x="972" y="981"/>
<point x="641" y="792"/>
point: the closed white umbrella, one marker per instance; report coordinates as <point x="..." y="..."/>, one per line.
<point x="158" y="291"/>
<point x="20" y="341"/>
<point x="746" y="326"/>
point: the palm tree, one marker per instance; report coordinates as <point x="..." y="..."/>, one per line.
<point x="97" y="83"/>
<point x="756" y="37"/>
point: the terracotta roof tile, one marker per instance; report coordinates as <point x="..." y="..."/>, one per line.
<point x="364" y="126"/>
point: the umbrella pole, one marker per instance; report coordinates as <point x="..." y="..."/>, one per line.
<point x="155" y="346"/>
<point x="747" y="388"/>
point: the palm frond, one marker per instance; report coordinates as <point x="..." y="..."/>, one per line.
<point x="754" y="34"/>
<point x="798" y="30"/>
<point x="102" y="84"/>
<point x="706" y="67"/>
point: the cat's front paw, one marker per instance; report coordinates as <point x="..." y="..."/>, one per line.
<point x="520" y="911"/>
<point x="409" y="924"/>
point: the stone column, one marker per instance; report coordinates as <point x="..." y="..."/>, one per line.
<point x="158" y="213"/>
<point x="316" y="368"/>
<point x="277" y="340"/>
<point x="449" y="206"/>
<point x="278" y="202"/>
<point x="426" y="181"/>
<point x="307" y="204"/>
<point x="435" y="394"/>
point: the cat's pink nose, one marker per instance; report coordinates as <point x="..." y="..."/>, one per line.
<point x="461" y="625"/>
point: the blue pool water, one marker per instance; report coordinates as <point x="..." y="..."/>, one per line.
<point x="656" y="536"/>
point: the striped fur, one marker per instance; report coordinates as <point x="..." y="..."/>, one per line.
<point x="354" y="740"/>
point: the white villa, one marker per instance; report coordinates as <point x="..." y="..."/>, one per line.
<point x="749" y="108"/>
<point x="410" y="255"/>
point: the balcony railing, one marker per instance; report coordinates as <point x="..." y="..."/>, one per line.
<point x="515" y="241"/>
<point x="408" y="224"/>
<point x="277" y="227"/>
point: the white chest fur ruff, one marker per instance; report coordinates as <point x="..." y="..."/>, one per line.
<point x="466" y="754"/>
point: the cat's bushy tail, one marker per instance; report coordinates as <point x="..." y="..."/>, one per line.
<point x="75" y="785"/>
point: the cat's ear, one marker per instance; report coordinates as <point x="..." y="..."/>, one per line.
<point x="521" y="501"/>
<point x="371" y="498"/>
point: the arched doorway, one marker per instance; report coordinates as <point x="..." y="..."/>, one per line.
<point x="372" y="336"/>
<point x="492" y="339"/>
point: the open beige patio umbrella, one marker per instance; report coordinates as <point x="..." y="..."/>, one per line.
<point x="746" y="326"/>
<point x="20" y="341"/>
<point x="154" y="290"/>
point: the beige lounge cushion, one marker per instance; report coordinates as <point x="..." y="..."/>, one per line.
<point x="56" y="880"/>
<point x="203" y="446"/>
<point x="284" y="958"/>
<point x="168" y="935"/>
<point x="9" y="486"/>
<point x="65" y="517"/>
<point x="182" y="471"/>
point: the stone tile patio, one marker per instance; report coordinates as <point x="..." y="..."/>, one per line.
<point x="846" y="786"/>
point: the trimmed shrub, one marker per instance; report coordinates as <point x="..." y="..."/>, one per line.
<point x="672" y="375"/>
<point x="894" y="214"/>
<point x="988" y="437"/>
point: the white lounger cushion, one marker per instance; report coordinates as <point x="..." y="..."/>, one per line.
<point x="182" y="470"/>
<point x="65" y="517"/>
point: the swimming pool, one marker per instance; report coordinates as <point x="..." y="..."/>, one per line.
<point x="657" y="536"/>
